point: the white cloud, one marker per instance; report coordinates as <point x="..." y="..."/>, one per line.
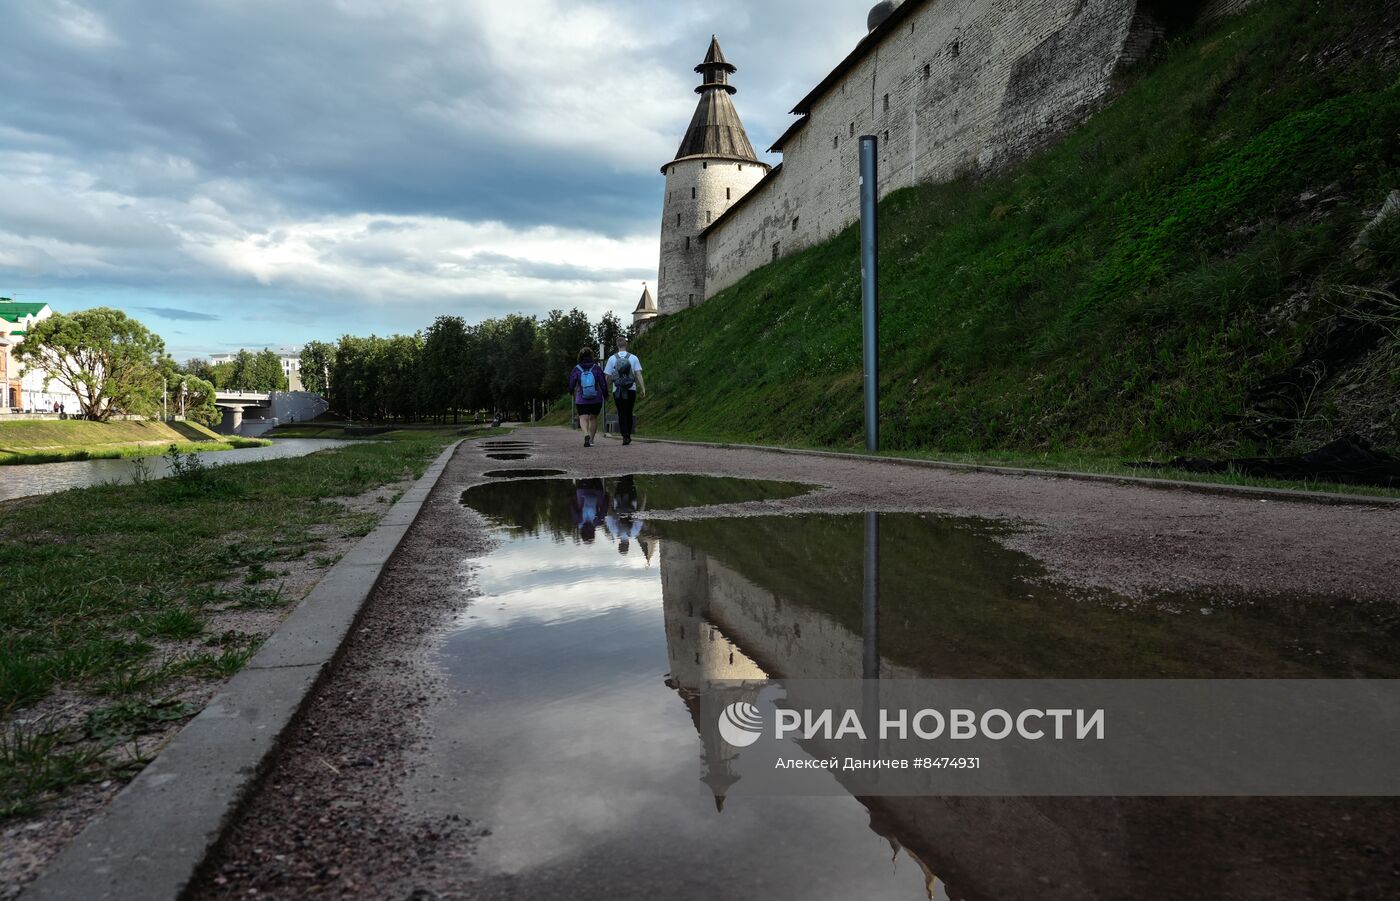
<point x="329" y="156"/>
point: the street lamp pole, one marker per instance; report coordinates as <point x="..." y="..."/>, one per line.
<point x="869" y="284"/>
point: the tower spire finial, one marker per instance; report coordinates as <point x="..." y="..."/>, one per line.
<point x="715" y="70"/>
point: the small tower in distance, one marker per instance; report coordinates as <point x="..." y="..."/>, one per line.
<point x="645" y="313"/>
<point x="714" y="167"/>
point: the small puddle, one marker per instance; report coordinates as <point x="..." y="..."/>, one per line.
<point x="524" y="473"/>
<point x="570" y="733"/>
<point x="505" y="457"/>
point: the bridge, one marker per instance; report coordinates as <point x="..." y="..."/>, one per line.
<point x="270" y="409"/>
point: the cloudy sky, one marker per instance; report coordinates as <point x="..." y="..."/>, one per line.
<point x="266" y="172"/>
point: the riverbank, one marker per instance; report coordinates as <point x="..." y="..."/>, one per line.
<point x="61" y="441"/>
<point x="128" y="606"/>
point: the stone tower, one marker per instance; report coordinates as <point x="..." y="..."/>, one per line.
<point x="715" y="166"/>
<point x="645" y="313"/>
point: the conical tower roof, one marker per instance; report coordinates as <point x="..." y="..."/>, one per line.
<point x="715" y="129"/>
<point x="647" y="304"/>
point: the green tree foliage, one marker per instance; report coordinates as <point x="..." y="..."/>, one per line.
<point x="267" y="372"/>
<point x="200" y="369"/>
<point x="193" y="397"/>
<point x="447" y="351"/>
<point x="242" y="374"/>
<point x="109" y="360"/>
<point x="513" y="367"/>
<point x="564" y="334"/>
<point x="317" y="359"/>
<point x="605" y="337"/>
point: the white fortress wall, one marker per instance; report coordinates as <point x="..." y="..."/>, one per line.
<point x="958" y="87"/>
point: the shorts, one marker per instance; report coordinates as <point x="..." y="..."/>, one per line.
<point x="590" y="409"/>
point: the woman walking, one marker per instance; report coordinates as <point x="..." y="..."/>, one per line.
<point x="589" y="385"/>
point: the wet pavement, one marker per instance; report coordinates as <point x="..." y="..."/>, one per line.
<point x="558" y="752"/>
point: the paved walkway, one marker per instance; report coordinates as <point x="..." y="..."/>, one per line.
<point x="332" y="816"/>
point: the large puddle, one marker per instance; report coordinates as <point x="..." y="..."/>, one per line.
<point x="569" y="734"/>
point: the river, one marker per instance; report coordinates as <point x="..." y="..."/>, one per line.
<point x="47" y="478"/>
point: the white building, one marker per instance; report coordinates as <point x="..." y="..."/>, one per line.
<point x="23" y="390"/>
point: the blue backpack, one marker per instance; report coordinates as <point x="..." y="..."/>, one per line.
<point x="588" y="386"/>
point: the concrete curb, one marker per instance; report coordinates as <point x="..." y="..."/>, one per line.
<point x="1239" y="491"/>
<point x="151" y="840"/>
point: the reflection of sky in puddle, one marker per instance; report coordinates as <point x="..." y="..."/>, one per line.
<point x="564" y="739"/>
<point x="570" y="728"/>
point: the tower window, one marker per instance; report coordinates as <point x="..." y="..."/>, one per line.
<point x="887" y="103"/>
<point x="853" y="129"/>
<point x="835" y="142"/>
<point x="704" y="165"/>
<point x="741" y="167"/>
<point x="692" y="193"/>
<point x="709" y="216"/>
<point x="678" y="218"/>
<point x="692" y="300"/>
<point x="887" y="136"/>
<point x="794" y="223"/>
<point x="777" y="246"/>
<point x="955" y="49"/>
<point x="687" y="242"/>
<point x="728" y="193"/>
<point x="928" y="71"/>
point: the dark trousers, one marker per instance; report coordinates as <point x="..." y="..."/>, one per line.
<point x="626" y="403"/>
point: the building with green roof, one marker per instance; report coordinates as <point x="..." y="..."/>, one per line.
<point x="24" y="390"/>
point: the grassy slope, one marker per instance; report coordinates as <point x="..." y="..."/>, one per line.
<point x="43" y="441"/>
<point x="109" y="593"/>
<point x="53" y="434"/>
<point x="1128" y="292"/>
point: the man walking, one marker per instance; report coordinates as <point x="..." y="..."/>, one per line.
<point x="624" y="372"/>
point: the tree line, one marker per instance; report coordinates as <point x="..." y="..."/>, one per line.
<point x="259" y="372"/>
<point x="511" y="367"/>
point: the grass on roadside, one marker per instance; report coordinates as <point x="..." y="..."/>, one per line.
<point x="109" y="592"/>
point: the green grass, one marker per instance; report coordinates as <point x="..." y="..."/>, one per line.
<point x="97" y="578"/>
<point x="127" y="452"/>
<point x="59" y="441"/>
<point x="1176" y="276"/>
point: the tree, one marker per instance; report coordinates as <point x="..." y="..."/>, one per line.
<point x="193" y="397"/>
<point x="515" y="358"/>
<point x="106" y="358"/>
<point x="445" y="355"/>
<point x="563" y="334"/>
<point x="199" y="368"/>
<point x="609" y="330"/>
<point x="242" y="373"/>
<point x="317" y="359"/>
<point x="268" y="375"/>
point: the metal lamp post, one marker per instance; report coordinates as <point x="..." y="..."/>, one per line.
<point x="869" y="284"/>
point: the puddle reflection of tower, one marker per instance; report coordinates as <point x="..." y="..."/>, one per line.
<point x="707" y="670"/>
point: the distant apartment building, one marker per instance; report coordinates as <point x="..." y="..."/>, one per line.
<point x="23" y="390"/>
<point x="291" y="365"/>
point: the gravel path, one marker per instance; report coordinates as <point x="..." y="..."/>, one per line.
<point x="329" y="822"/>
